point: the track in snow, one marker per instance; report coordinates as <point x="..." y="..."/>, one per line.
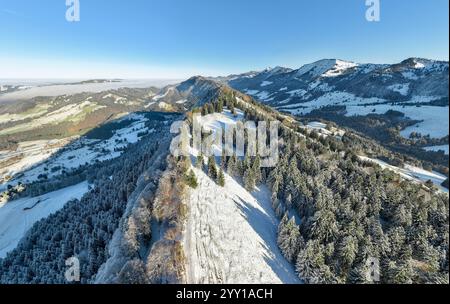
<point x="231" y="236"/>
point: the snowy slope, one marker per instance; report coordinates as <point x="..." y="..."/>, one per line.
<point x="325" y="68"/>
<point x="16" y="220"/>
<point x="231" y="236"/>
<point x="412" y="173"/>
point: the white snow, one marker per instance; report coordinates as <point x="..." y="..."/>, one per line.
<point x="419" y="65"/>
<point x="317" y="125"/>
<point x="339" y="68"/>
<point x="412" y="173"/>
<point x="15" y="221"/>
<point x="28" y="154"/>
<point x="437" y="148"/>
<point x="298" y="92"/>
<point x="231" y="236"/>
<point x="410" y="75"/>
<point x="330" y="98"/>
<point x="263" y="95"/>
<point x="164" y="105"/>
<point x="368" y="67"/>
<point x="149" y="104"/>
<point x="117" y="99"/>
<point x="216" y="121"/>
<point x="403" y="88"/>
<point x="323" y="131"/>
<point x="435" y="119"/>
<point x="326" y="68"/>
<point x="251" y="92"/>
<point x="266" y="83"/>
<point x="260" y="95"/>
<point x="161" y="96"/>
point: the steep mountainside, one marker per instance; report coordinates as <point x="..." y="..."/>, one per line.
<point x="195" y="91"/>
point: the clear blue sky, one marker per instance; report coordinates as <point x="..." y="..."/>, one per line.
<point x="178" y="38"/>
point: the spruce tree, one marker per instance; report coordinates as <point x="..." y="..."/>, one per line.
<point x="232" y="166"/>
<point x="210" y="107"/>
<point x="205" y="110"/>
<point x="223" y="160"/>
<point x="249" y="180"/>
<point x="220" y="106"/>
<point x="289" y="239"/>
<point x="212" y="170"/>
<point x="221" y="178"/>
<point x="199" y="163"/>
<point x="256" y="168"/>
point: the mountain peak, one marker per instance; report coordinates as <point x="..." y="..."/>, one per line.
<point x="416" y="63"/>
<point x="326" y="68"/>
<point x="277" y="70"/>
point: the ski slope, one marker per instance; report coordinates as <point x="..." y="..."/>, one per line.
<point x="18" y="216"/>
<point x="231" y="236"/>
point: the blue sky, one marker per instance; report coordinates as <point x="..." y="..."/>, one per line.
<point x="179" y="38"/>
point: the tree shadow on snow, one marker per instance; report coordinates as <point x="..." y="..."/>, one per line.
<point x="266" y="227"/>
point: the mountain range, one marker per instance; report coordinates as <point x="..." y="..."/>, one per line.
<point x="338" y="82"/>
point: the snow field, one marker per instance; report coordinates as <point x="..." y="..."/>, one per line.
<point x="16" y="220"/>
<point x="412" y="173"/>
<point x="231" y="236"/>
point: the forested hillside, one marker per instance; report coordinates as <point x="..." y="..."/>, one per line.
<point x="84" y="228"/>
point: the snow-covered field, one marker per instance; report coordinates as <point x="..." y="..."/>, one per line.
<point x="438" y="148"/>
<point x="412" y="173"/>
<point x="266" y="83"/>
<point x="331" y="98"/>
<point x="16" y="219"/>
<point x="40" y="158"/>
<point x="27" y="155"/>
<point x="231" y="236"/>
<point x="435" y="119"/>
